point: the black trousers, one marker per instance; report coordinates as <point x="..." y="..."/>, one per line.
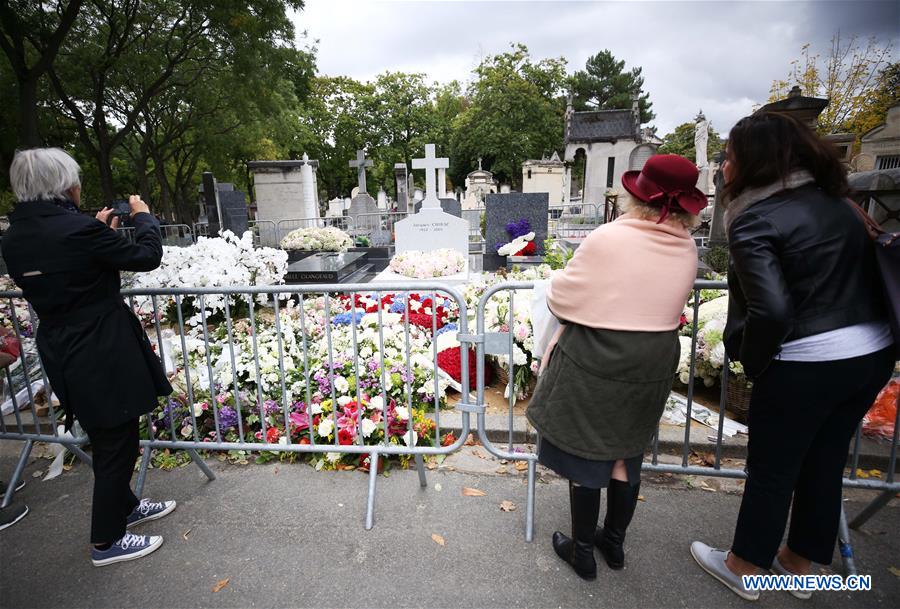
<point x="802" y="418"/>
<point x="114" y="451"/>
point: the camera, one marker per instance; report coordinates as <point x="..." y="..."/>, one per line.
<point x="121" y="209"/>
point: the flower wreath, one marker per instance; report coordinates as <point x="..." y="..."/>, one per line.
<point x="522" y="240"/>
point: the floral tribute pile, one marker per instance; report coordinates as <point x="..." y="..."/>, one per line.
<point x="522" y="240"/>
<point x="225" y="261"/>
<point x="427" y="264"/>
<point x="315" y="239"/>
<point x="711" y="317"/>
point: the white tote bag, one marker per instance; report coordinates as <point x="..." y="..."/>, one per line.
<point x="543" y="322"/>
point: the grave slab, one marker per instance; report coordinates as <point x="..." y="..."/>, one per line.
<point x="329" y="267"/>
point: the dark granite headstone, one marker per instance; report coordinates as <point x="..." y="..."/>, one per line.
<point x="234" y="211"/>
<point x="327" y="268"/>
<point x="452" y="207"/>
<point x="501" y="209"/>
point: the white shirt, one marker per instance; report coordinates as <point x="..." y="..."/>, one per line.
<point x="843" y="343"/>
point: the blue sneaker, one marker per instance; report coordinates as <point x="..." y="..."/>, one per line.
<point x="129" y="547"/>
<point x="149" y="510"/>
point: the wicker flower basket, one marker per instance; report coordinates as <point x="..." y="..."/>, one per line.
<point x="737" y="396"/>
<point x="502" y="376"/>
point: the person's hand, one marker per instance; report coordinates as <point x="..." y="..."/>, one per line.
<point x="103" y="216"/>
<point x="137" y="206"/>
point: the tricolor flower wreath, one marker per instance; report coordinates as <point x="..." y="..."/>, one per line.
<point x="522" y="240"/>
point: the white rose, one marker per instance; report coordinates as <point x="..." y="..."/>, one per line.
<point x="341" y="384"/>
<point x="377" y="402"/>
<point x="368" y="426"/>
<point x="344" y="400"/>
<point x="325" y="427"/>
<point x="402" y="413"/>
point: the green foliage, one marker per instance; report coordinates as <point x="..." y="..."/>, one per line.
<point x="555" y="255"/>
<point x="515" y="112"/>
<point x="605" y="84"/>
<point x="717" y="259"/>
<point x="681" y="141"/>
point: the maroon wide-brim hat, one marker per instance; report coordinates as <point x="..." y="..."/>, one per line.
<point x="669" y="181"/>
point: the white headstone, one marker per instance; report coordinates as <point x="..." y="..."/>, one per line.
<point x="382" y="199"/>
<point x="431" y="228"/>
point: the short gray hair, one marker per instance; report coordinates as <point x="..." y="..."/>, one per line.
<point x="43" y="173"/>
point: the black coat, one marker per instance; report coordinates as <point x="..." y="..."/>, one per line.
<point x="97" y="357"/>
<point x="801" y="264"/>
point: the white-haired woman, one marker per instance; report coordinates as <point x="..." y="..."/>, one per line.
<point x="96" y="355"/>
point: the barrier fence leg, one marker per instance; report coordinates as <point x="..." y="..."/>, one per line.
<point x="83" y="456"/>
<point x="844" y="545"/>
<point x="529" y="502"/>
<point x="870" y="510"/>
<point x="420" y="466"/>
<point x="142" y="472"/>
<point x="17" y="473"/>
<point x="370" y="503"/>
<point x="199" y="462"/>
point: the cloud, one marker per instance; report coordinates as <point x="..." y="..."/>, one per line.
<point x="718" y="56"/>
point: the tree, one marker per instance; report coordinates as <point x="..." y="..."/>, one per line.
<point x="849" y="78"/>
<point x="31" y="38"/>
<point x="604" y="84"/>
<point x="148" y="48"/>
<point x="515" y="112"/>
<point x="681" y="141"/>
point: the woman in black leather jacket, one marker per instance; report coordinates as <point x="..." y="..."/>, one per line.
<point x="807" y="319"/>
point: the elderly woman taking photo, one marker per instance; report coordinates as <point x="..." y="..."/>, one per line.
<point x="96" y="355"/>
<point x="606" y="380"/>
<point x="807" y="318"/>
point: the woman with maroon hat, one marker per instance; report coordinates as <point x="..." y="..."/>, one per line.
<point x="807" y="319"/>
<point x="609" y="369"/>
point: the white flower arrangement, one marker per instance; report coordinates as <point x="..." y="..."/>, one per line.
<point x="315" y="239"/>
<point x="424" y="265"/>
<point x="225" y="261"/>
<point x="516" y="245"/>
<point x="711" y="319"/>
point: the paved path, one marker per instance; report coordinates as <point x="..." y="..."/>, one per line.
<point x="288" y="536"/>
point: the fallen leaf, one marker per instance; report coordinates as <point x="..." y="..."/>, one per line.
<point x="437" y="539"/>
<point x="507" y="506"/>
<point x="431" y="465"/>
<point x="37" y="474"/>
<point x="221" y="584"/>
<point x="641" y="498"/>
<point x="472" y="492"/>
<point x="521" y="465"/>
<point x="186" y="533"/>
<point x="501" y="470"/>
<point x="504" y="461"/>
<point x="894" y="570"/>
<point x="470" y="440"/>
<point x="479" y="454"/>
<point x="707" y="488"/>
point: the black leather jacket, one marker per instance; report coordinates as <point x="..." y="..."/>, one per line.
<point x="801" y="264"/>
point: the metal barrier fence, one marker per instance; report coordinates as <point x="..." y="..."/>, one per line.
<point x="265" y="232"/>
<point x="573" y="220"/>
<point x="345" y="223"/>
<point x="379" y="226"/>
<point x="179" y="235"/>
<point x="503" y="344"/>
<point x="275" y="349"/>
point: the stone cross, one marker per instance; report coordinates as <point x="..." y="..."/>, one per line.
<point x="361" y="163"/>
<point x="430" y="163"/>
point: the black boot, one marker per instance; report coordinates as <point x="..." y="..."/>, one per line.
<point x="621" y="499"/>
<point x="578" y="550"/>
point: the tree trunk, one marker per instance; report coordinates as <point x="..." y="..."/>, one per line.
<point x="29" y="136"/>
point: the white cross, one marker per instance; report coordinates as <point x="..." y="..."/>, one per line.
<point x="430" y="163"/>
<point x="361" y="163"/>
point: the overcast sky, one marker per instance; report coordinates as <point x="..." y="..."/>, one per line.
<point x="720" y="56"/>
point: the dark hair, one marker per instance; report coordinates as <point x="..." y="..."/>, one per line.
<point x="766" y="147"/>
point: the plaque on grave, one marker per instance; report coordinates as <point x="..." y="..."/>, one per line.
<point x="331" y="267"/>
<point x="501" y="209"/>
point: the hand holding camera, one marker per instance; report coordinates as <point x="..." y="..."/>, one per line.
<point x="121" y="209"/>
